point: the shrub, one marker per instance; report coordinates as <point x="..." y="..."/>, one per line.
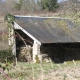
<point x="9" y="18"/>
<point x="6" y="55"/>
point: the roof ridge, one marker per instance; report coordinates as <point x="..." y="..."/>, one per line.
<point x="38" y="16"/>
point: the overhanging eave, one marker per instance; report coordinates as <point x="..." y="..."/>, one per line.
<point x="16" y="26"/>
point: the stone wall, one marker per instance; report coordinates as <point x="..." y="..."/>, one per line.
<point x="25" y="54"/>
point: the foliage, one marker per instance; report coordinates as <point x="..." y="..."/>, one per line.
<point x="24" y="5"/>
<point x="37" y="59"/>
<point x="10" y="21"/>
<point x="19" y="5"/>
<point x="9" y="18"/>
<point x="6" y="56"/>
<point x="50" y="4"/>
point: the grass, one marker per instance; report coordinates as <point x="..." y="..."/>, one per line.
<point x="23" y="70"/>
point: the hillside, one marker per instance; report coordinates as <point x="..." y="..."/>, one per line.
<point x="3" y="35"/>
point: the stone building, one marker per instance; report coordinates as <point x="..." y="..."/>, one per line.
<point x="38" y="36"/>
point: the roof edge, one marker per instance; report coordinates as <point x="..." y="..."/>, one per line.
<point x="37" y="17"/>
<point x="16" y="26"/>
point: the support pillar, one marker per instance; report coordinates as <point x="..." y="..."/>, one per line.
<point x="12" y="41"/>
<point x="37" y="57"/>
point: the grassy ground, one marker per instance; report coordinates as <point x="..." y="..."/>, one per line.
<point x="44" y="71"/>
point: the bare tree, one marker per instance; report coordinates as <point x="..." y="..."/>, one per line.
<point x="7" y="6"/>
<point x="10" y="5"/>
<point x="2" y="7"/>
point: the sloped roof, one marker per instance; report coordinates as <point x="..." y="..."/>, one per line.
<point x="50" y="30"/>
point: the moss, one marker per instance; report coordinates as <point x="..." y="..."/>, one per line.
<point x="37" y="59"/>
<point x="44" y="61"/>
<point x="62" y="24"/>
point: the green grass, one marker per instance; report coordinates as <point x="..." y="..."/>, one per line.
<point x="23" y="70"/>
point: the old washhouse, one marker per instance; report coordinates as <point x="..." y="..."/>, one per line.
<point x="56" y="37"/>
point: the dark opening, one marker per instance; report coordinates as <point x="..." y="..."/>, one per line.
<point x="20" y="43"/>
<point x="60" y="52"/>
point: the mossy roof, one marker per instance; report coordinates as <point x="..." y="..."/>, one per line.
<point x="49" y="29"/>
